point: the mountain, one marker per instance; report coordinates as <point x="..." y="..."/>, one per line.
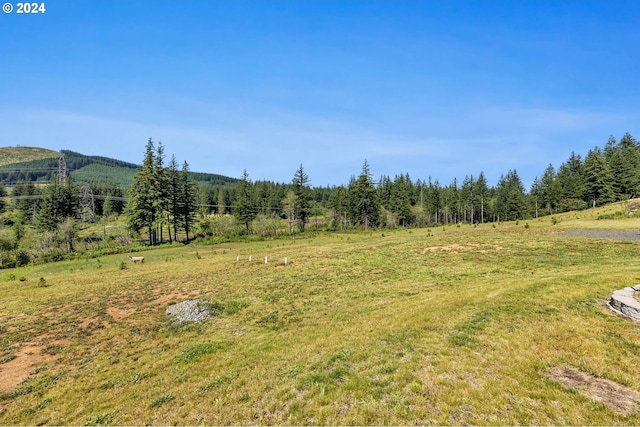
<point x="41" y="165"/>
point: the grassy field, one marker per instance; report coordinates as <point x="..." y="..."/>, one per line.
<point x="10" y="155"/>
<point x="449" y="325"/>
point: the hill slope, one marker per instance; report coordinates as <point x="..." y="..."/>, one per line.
<point x="10" y="155"/>
<point x="39" y="164"/>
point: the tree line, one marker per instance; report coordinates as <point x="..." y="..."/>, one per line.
<point x="603" y="176"/>
<point x="165" y="203"/>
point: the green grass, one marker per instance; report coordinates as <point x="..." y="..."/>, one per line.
<point x="453" y="325"/>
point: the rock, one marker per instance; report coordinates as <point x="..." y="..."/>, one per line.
<point x="623" y="302"/>
<point x="192" y="310"/>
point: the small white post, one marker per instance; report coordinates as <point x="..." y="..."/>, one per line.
<point x="238" y="258"/>
<point x="265" y="260"/>
<point x="285" y="261"/>
<point x="250" y="257"/>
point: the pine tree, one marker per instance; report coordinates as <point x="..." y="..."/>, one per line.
<point x="161" y="189"/>
<point x="60" y="202"/>
<point x="570" y="178"/>
<point x="303" y="196"/>
<point x="510" y="198"/>
<point x="598" y="179"/>
<point x="550" y="191"/>
<point x="28" y="206"/>
<point x="174" y="194"/>
<point x="189" y="194"/>
<point x="142" y="198"/>
<point x="432" y="200"/>
<point x="467" y="199"/>
<point x="400" y="201"/>
<point x="480" y="190"/>
<point x="243" y="208"/>
<point x="338" y="202"/>
<point x="364" y="208"/>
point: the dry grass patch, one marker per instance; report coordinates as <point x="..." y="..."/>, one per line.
<point x="621" y="399"/>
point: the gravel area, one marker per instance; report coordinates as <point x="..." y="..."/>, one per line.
<point x="628" y="234"/>
<point x="193" y="310"/>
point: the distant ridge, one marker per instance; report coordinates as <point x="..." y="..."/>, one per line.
<point x="11" y="155"/>
<point x="41" y="165"/>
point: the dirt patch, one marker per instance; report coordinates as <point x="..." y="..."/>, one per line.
<point x="17" y="370"/>
<point x="165" y="299"/>
<point x="594" y="233"/>
<point x="619" y="398"/>
<point x="119" y="313"/>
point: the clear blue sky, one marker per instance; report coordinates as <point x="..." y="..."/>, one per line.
<point x="433" y="88"/>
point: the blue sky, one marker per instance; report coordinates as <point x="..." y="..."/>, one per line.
<point x="438" y="89"/>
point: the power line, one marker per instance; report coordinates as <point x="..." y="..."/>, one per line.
<point x="124" y="199"/>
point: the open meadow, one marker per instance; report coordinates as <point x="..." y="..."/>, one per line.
<point x="449" y="325"/>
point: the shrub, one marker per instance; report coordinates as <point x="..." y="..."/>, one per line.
<point x="22" y="258"/>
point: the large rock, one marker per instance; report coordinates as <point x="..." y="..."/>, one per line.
<point x="193" y="310"/>
<point x="623" y="301"/>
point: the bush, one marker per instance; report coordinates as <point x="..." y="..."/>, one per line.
<point x="22" y="258"/>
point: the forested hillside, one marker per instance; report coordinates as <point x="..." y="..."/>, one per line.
<point x="18" y="164"/>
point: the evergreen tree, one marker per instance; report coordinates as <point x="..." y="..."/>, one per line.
<point x="60" y="202"/>
<point x="303" y="196"/>
<point x="467" y="199"/>
<point x="142" y="198"/>
<point x="480" y="190"/>
<point x="570" y="179"/>
<point x="27" y="203"/>
<point x="189" y="193"/>
<point x="598" y="179"/>
<point x="630" y="173"/>
<point x="174" y="193"/>
<point x="243" y="208"/>
<point x="510" y="197"/>
<point x="161" y="189"/>
<point x="550" y="191"/>
<point x="400" y="201"/>
<point x="432" y="200"/>
<point x="339" y="204"/>
<point x="364" y="208"/>
<point x="385" y="188"/>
